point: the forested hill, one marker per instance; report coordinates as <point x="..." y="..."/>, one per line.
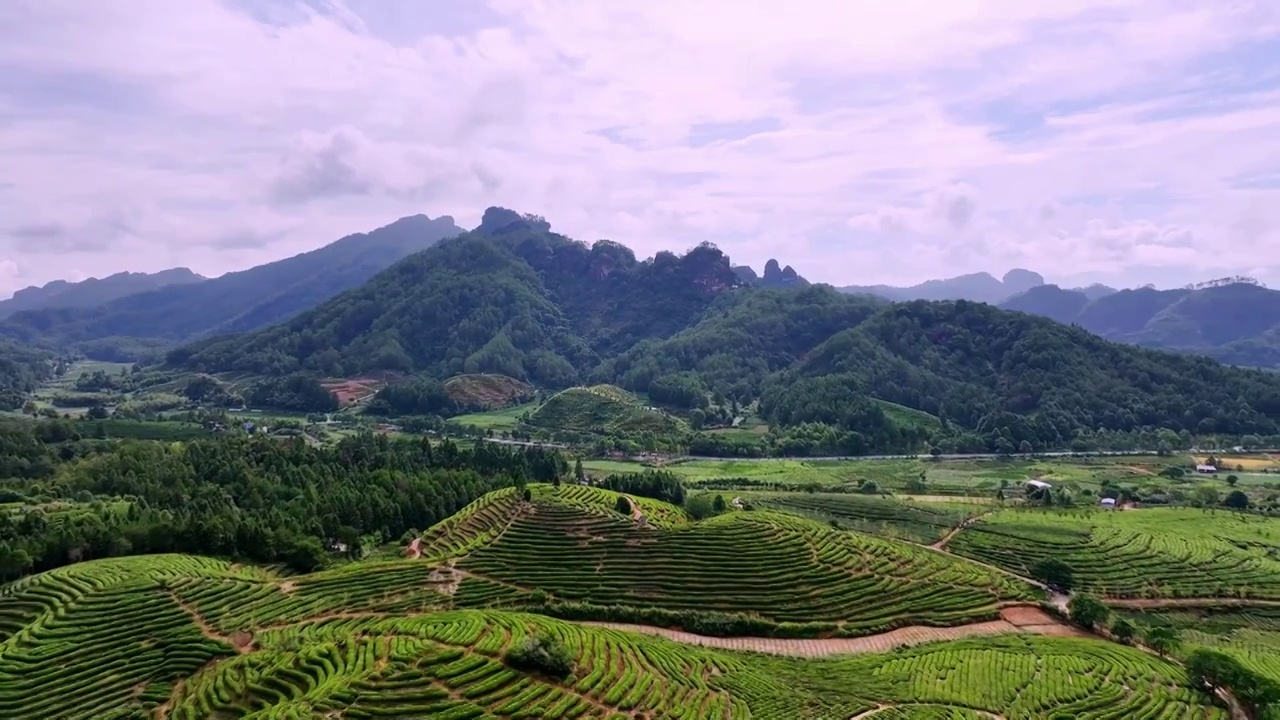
<point x="127" y="327"/>
<point x="512" y="298"/>
<point x="21" y="370"/>
<point x="515" y="299"/>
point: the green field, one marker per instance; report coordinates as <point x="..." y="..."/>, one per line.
<point x="758" y="572"/>
<point x="504" y="419"/>
<point x="180" y="637"/>
<point x="923" y="523"/>
<point x="1150" y="553"/>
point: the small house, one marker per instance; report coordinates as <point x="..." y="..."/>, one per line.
<point x="1206" y="469"/>
<point x="1038" y="485"/>
<point x="1108" y="502"/>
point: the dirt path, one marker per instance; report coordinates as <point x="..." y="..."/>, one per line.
<point x="884" y="708"/>
<point x="1013" y="619"/>
<point x="636" y="514"/>
<point x="967" y="522"/>
<point x="414" y="550"/>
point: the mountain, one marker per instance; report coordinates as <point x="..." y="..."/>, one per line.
<point x="1236" y="322"/>
<point x="125" y="327"/>
<point x="514" y="298"/>
<point x="94" y="291"/>
<point x="511" y="297"/>
<point x="981" y="287"/>
<point x="774" y="276"/>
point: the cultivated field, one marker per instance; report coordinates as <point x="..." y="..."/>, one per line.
<point x="1149" y="553"/>
<point x="746" y="573"/>
<point x="182" y="637"/>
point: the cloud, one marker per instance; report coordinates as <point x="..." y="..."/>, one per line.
<point x="892" y="141"/>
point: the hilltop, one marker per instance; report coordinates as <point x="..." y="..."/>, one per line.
<point x="1235" y="322"/>
<point x="132" y="326"/>
<point x="601" y="409"/>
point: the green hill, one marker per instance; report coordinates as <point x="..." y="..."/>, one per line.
<point x="602" y="408"/>
<point x="570" y="553"/>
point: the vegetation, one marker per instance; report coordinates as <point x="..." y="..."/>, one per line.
<point x="1155" y="553"/>
<point x="158" y="621"/>
<point x="256" y="498"/>
<point x="587" y="560"/>
<point x="602" y="409"/>
<point x="22" y="369"/>
<point x="830" y="373"/>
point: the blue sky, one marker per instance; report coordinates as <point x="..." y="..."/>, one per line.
<point x="1123" y="141"/>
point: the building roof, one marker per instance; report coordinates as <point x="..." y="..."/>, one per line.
<point x="1038" y="484"/>
<point x="1208" y="468"/>
<point x="1108" y="501"/>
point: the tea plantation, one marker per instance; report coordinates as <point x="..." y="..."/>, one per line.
<point x="1152" y="553"/>
<point x="183" y="637"/>
<point x="570" y="553"/>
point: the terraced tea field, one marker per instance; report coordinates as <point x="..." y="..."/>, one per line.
<point x="916" y="522"/>
<point x="1150" y="553"/>
<point x="188" y="638"/>
<point x="762" y="572"/>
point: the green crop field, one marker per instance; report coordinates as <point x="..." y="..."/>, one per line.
<point x="172" y="636"/>
<point x="503" y="419"/>
<point x="923" y="523"/>
<point x="1152" y="553"/>
<point x="570" y="552"/>
<point x="602" y="408"/>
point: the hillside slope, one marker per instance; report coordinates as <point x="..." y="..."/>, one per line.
<point x="1235" y="322"/>
<point x="21" y="370"/>
<point x="94" y="291"/>
<point x="234" y="302"/>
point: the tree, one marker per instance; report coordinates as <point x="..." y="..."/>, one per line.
<point x="1088" y="611"/>
<point x="578" y="473"/>
<point x="1236" y="500"/>
<point x="1055" y="573"/>
<point x="718" y="505"/>
<point x="1025" y="447"/>
<point x="622" y="505"/>
<point x="543" y="653"/>
<point x="1232" y="480"/>
<point x="1163" y="639"/>
<point x="97" y="412"/>
<point x="1123" y="630"/>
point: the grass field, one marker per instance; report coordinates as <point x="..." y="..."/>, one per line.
<point x="189" y="638"/>
<point x="504" y="419"/>
<point x="1152" y="553"/>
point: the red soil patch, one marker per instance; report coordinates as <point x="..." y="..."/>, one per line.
<point x="349" y="391"/>
<point x="414" y="550"/>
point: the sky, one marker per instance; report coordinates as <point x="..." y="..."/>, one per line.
<point x="860" y="141"/>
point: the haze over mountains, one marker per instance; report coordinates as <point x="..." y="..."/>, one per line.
<point x="131" y="315"/>
<point x="126" y="327"/>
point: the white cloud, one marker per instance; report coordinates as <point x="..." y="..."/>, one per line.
<point x="896" y="141"/>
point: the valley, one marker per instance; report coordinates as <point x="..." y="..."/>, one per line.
<point x="511" y="475"/>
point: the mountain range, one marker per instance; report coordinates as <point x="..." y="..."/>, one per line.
<point x="515" y="299"/>
<point x="1235" y="322"/>
<point x="94" y="291"/>
<point x="128" y="326"/>
<point x="980" y="287"/>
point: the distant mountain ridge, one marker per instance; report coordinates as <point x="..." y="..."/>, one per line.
<point x="94" y="291"/>
<point x="1235" y="322"/>
<point x="132" y="326"/>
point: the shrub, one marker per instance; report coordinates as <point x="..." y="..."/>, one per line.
<point x="542" y="653"/>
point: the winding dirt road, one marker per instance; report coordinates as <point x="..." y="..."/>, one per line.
<point x="1013" y="619"/>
